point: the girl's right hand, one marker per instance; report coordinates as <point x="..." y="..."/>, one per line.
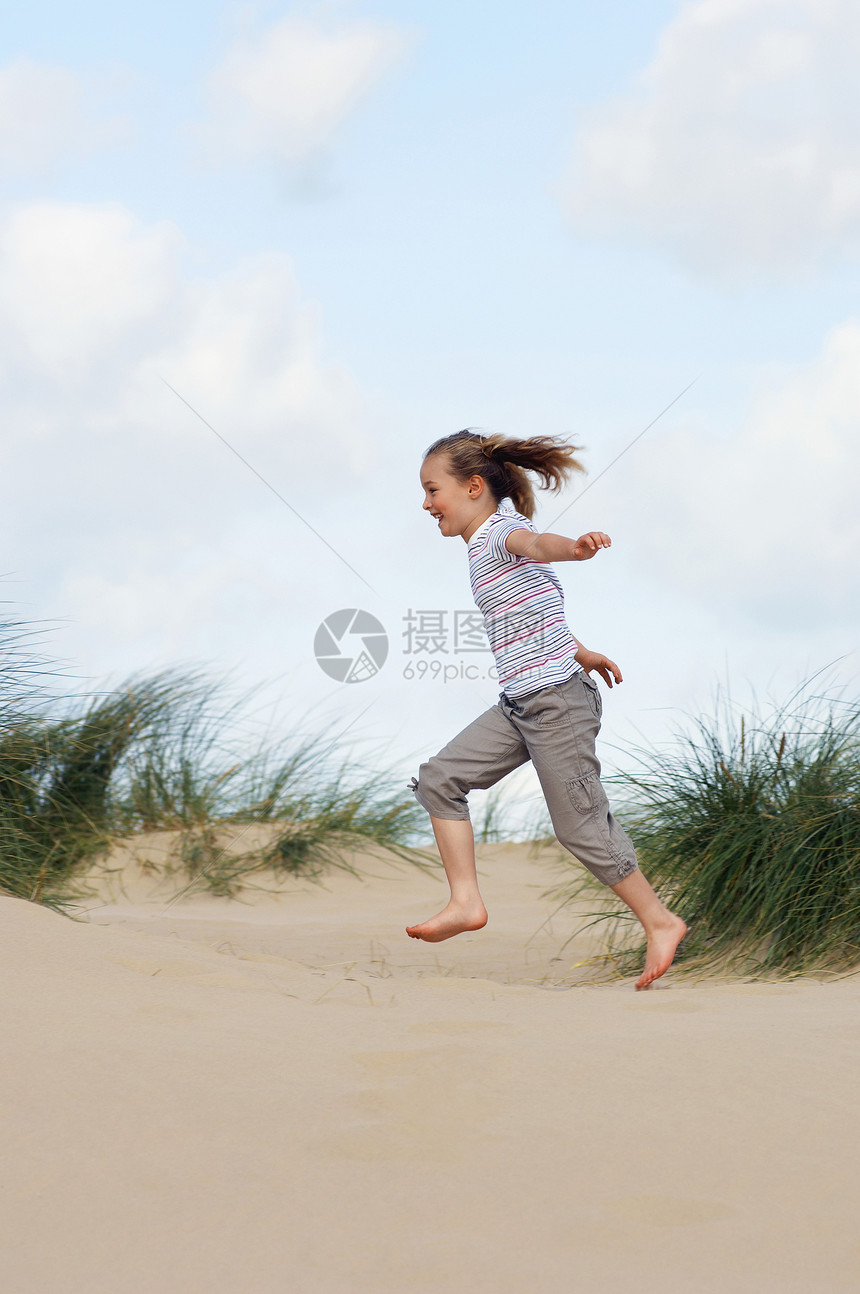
<point x="606" y="668"/>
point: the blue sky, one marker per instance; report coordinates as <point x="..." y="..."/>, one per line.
<point x="343" y="230"/>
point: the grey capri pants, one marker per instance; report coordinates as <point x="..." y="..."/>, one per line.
<point x="556" y="728"/>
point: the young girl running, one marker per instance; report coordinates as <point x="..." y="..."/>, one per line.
<point x="549" y="708"/>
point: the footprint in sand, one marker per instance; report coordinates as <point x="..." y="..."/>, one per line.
<point x="671" y="1210"/>
<point x="457" y="1026"/>
<point x="424" y="1105"/>
<point x="191" y="972"/>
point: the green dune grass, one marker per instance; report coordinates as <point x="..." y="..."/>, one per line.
<point x="749" y="827"/>
<point x="168" y="752"/>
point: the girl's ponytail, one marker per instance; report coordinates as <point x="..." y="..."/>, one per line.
<point x="504" y="462"/>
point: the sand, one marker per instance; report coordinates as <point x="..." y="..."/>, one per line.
<point x="289" y="1095"/>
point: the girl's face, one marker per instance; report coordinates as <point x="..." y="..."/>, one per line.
<point x="458" y="507"/>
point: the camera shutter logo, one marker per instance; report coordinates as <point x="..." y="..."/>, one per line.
<point x="351" y="645"/>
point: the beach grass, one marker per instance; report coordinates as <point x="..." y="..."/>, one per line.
<point x="748" y="825"/>
<point x="173" y="751"/>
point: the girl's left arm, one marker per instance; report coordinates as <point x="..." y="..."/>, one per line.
<point x="556" y="548"/>
<point x="595" y="660"/>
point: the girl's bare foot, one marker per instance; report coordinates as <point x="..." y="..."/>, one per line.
<point x="452" y="920"/>
<point x="663" y="941"/>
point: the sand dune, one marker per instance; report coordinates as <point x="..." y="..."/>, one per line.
<point x="288" y="1094"/>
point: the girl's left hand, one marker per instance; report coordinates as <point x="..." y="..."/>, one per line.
<point x="606" y="668"/>
<point x="587" y="545"/>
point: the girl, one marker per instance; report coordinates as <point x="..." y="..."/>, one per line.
<point x="549" y="708"/>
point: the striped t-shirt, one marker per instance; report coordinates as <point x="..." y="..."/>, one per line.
<point x="523" y="606"/>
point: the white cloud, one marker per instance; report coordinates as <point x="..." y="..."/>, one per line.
<point x="762" y="524"/>
<point x="96" y="308"/>
<point x="46" y="113"/>
<point x="739" y="147"/>
<point x="126" y="510"/>
<point x="282" y="93"/>
<point x="78" y="282"/>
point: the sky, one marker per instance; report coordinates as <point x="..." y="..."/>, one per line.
<point x="335" y="232"/>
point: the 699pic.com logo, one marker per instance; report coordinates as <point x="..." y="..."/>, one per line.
<point x="351" y="645"/>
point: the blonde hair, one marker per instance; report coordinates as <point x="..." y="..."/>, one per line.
<point x="503" y="462"/>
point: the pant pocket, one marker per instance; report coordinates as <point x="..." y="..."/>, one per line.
<point x="592" y="691"/>
<point x="553" y="711"/>
<point x="583" y="793"/>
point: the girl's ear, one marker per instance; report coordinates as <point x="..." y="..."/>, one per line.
<point x="476" y="486"/>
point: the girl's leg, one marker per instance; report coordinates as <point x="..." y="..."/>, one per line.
<point x="560" y="726"/>
<point x="465" y="910"/>
<point x="483" y="753"/>
<point x="663" y="929"/>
